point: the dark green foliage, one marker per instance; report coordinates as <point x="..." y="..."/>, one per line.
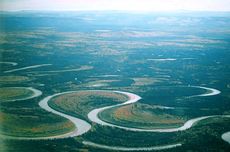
<point x="198" y="41"/>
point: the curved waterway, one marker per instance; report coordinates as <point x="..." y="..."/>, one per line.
<point x="226" y="137"/>
<point x="28" y="67"/>
<point x="93" y="115"/>
<point x="10" y="63"/>
<point x="210" y="91"/>
<point x="81" y="125"/>
<point x="36" y="93"/>
<point x="131" y="148"/>
<point x="163" y="59"/>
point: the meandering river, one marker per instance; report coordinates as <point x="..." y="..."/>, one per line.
<point x="28" y="67"/>
<point x="226" y="137"/>
<point x="83" y="126"/>
<point x="93" y="115"/>
<point x="35" y="93"/>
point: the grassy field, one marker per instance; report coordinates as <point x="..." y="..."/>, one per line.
<point x="81" y="103"/>
<point x="24" y="118"/>
<point x="154" y="55"/>
<point x="207" y="132"/>
<point x="141" y="116"/>
<point x="12" y="93"/>
<point x="13" y="79"/>
<point x="25" y="125"/>
<point x="147" y="81"/>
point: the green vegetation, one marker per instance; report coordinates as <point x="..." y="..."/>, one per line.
<point x="13" y="79"/>
<point x="25" y="119"/>
<point x="147" y="81"/>
<point x="121" y="137"/>
<point x="13" y="93"/>
<point x="36" y="125"/>
<point x="207" y="132"/>
<point x="79" y="104"/>
<point x="141" y="116"/>
<point x="115" y="51"/>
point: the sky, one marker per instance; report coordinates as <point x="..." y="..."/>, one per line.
<point x="132" y="5"/>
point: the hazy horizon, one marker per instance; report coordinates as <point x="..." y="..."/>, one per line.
<point x="118" y="5"/>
